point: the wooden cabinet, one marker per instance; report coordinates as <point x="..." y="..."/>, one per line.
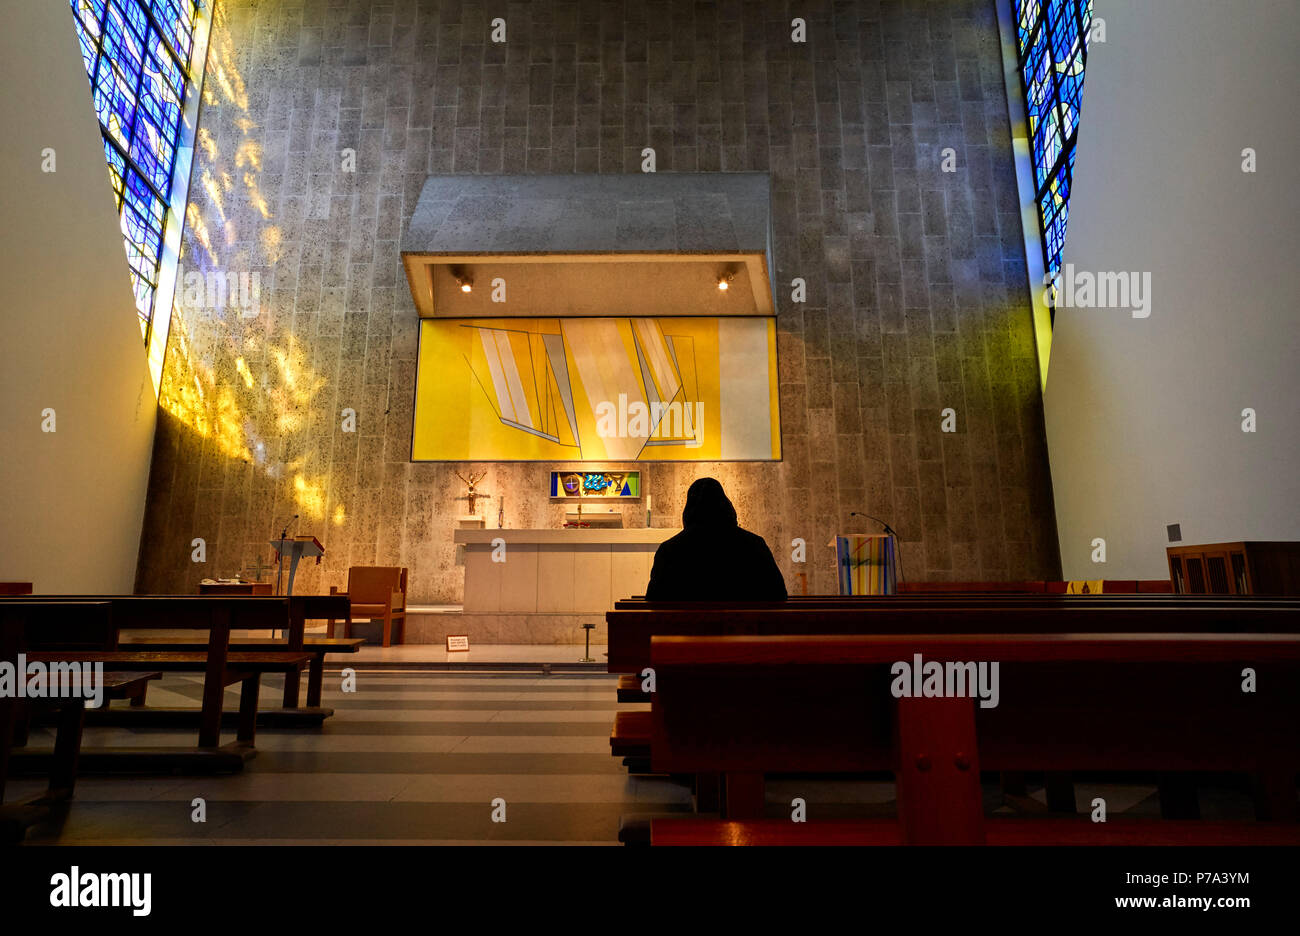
<point x="1246" y="568"/>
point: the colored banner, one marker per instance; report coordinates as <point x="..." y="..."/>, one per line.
<point x="868" y="565"/>
<point x="602" y="485"/>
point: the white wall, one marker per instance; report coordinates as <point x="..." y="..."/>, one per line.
<point x="1144" y="415"/>
<point x="72" y="501"/>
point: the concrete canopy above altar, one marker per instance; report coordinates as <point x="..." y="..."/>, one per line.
<point x="577" y="245"/>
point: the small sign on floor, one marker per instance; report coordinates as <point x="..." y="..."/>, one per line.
<point x="457" y="642"/>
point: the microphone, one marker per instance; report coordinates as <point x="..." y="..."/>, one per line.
<point x="898" y="540"/>
<point x="888" y="529"/>
<point x="287" y="525"/>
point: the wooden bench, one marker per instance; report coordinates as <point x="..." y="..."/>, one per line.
<point x="630" y="630"/>
<point x="1168" y="704"/>
<point x="629" y="689"/>
<point x="917" y="599"/>
<point x="300" y="609"/>
<point x="44" y="621"/>
<point x="939" y="597"/>
<point x="64" y="760"/>
<point x="15" y="818"/>
<point x="998" y="830"/>
<point x="1109" y="587"/>
<point x="291" y="714"/>
<point x="631" y="734"/>
<point x="633" y="621"/>
<point x="244" y="668"/>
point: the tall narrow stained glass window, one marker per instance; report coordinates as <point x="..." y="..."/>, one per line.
<point x="1052" y="49"/>
<point x="138" y="55"/>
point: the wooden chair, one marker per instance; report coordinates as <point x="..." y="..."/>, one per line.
<point x="377" y="593"/>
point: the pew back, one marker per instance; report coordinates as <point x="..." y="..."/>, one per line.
<point x="630" y="631"/>
<point x="77" y="625"/>
<point x="746" y="706"/>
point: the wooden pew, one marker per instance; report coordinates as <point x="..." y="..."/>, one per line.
<point x="1098" y="702"/>
<point x="998" y="830"/>
<point x="631" y="627"/>
<point x="221" y="666"/>
<point x="917" y="598"/>
<point x="630" y="630"/>
<point x="1109" y="587"/>
<point x="270" y="617"/>
<point x="948" y="599"/>
<point x="15" y="818"/>
<point x="302" y="608"/>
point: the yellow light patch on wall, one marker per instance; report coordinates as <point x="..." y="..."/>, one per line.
<point x="597" y="389"/>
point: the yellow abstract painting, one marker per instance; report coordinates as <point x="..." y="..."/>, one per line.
<point x="597" y="389"/>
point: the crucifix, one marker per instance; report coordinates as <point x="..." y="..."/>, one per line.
<point x="258" y="569"/>
<point x="473" y="494"/>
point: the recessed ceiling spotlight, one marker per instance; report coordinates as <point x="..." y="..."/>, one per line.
<point x="466" y="284"/>
<point x="724" y="281"/>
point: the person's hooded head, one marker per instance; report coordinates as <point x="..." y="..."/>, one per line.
<point x="707" y="505"/>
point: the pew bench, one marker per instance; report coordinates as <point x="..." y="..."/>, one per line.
<point x="62" y="763"/>
<point x="629" y="689"/>
<point x="318" y="647"/>
<point x="69" y="727"/>
<point x="1160" y="703"/>
<point x="167" y="612"/>
<point x="630" y="629"/>
<point x="634" y="622"/>
<point x="999" y="830"/>
<point x="631" y="735"/>
<point x="48" y="622"/>
<point x="189" y="612"/>
<point x="244" y="668"/>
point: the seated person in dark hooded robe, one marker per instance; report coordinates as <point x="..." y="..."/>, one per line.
<point x="713" y="559"/>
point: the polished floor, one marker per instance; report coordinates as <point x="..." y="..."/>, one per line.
<point x="407" y="758"/>
<point x="419" y="758"/>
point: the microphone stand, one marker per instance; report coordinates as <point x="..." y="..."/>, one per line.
<point x="279" y="558"/>
<point x="279" y="569"/>
<point x="898" y="540"/>
<point x="279" y="565"/>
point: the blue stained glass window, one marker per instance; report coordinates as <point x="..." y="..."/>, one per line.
<point x="137" y="56"/>
<point x="1051" y="42"/>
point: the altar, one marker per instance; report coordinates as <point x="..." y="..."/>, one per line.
<point x="564" y="571"/>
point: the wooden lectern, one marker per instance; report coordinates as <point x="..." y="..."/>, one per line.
<point x="294" y="548"/>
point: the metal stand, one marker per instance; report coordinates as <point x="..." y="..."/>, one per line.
<point x="279" y="563"/>
<point x="586" y="650"/>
